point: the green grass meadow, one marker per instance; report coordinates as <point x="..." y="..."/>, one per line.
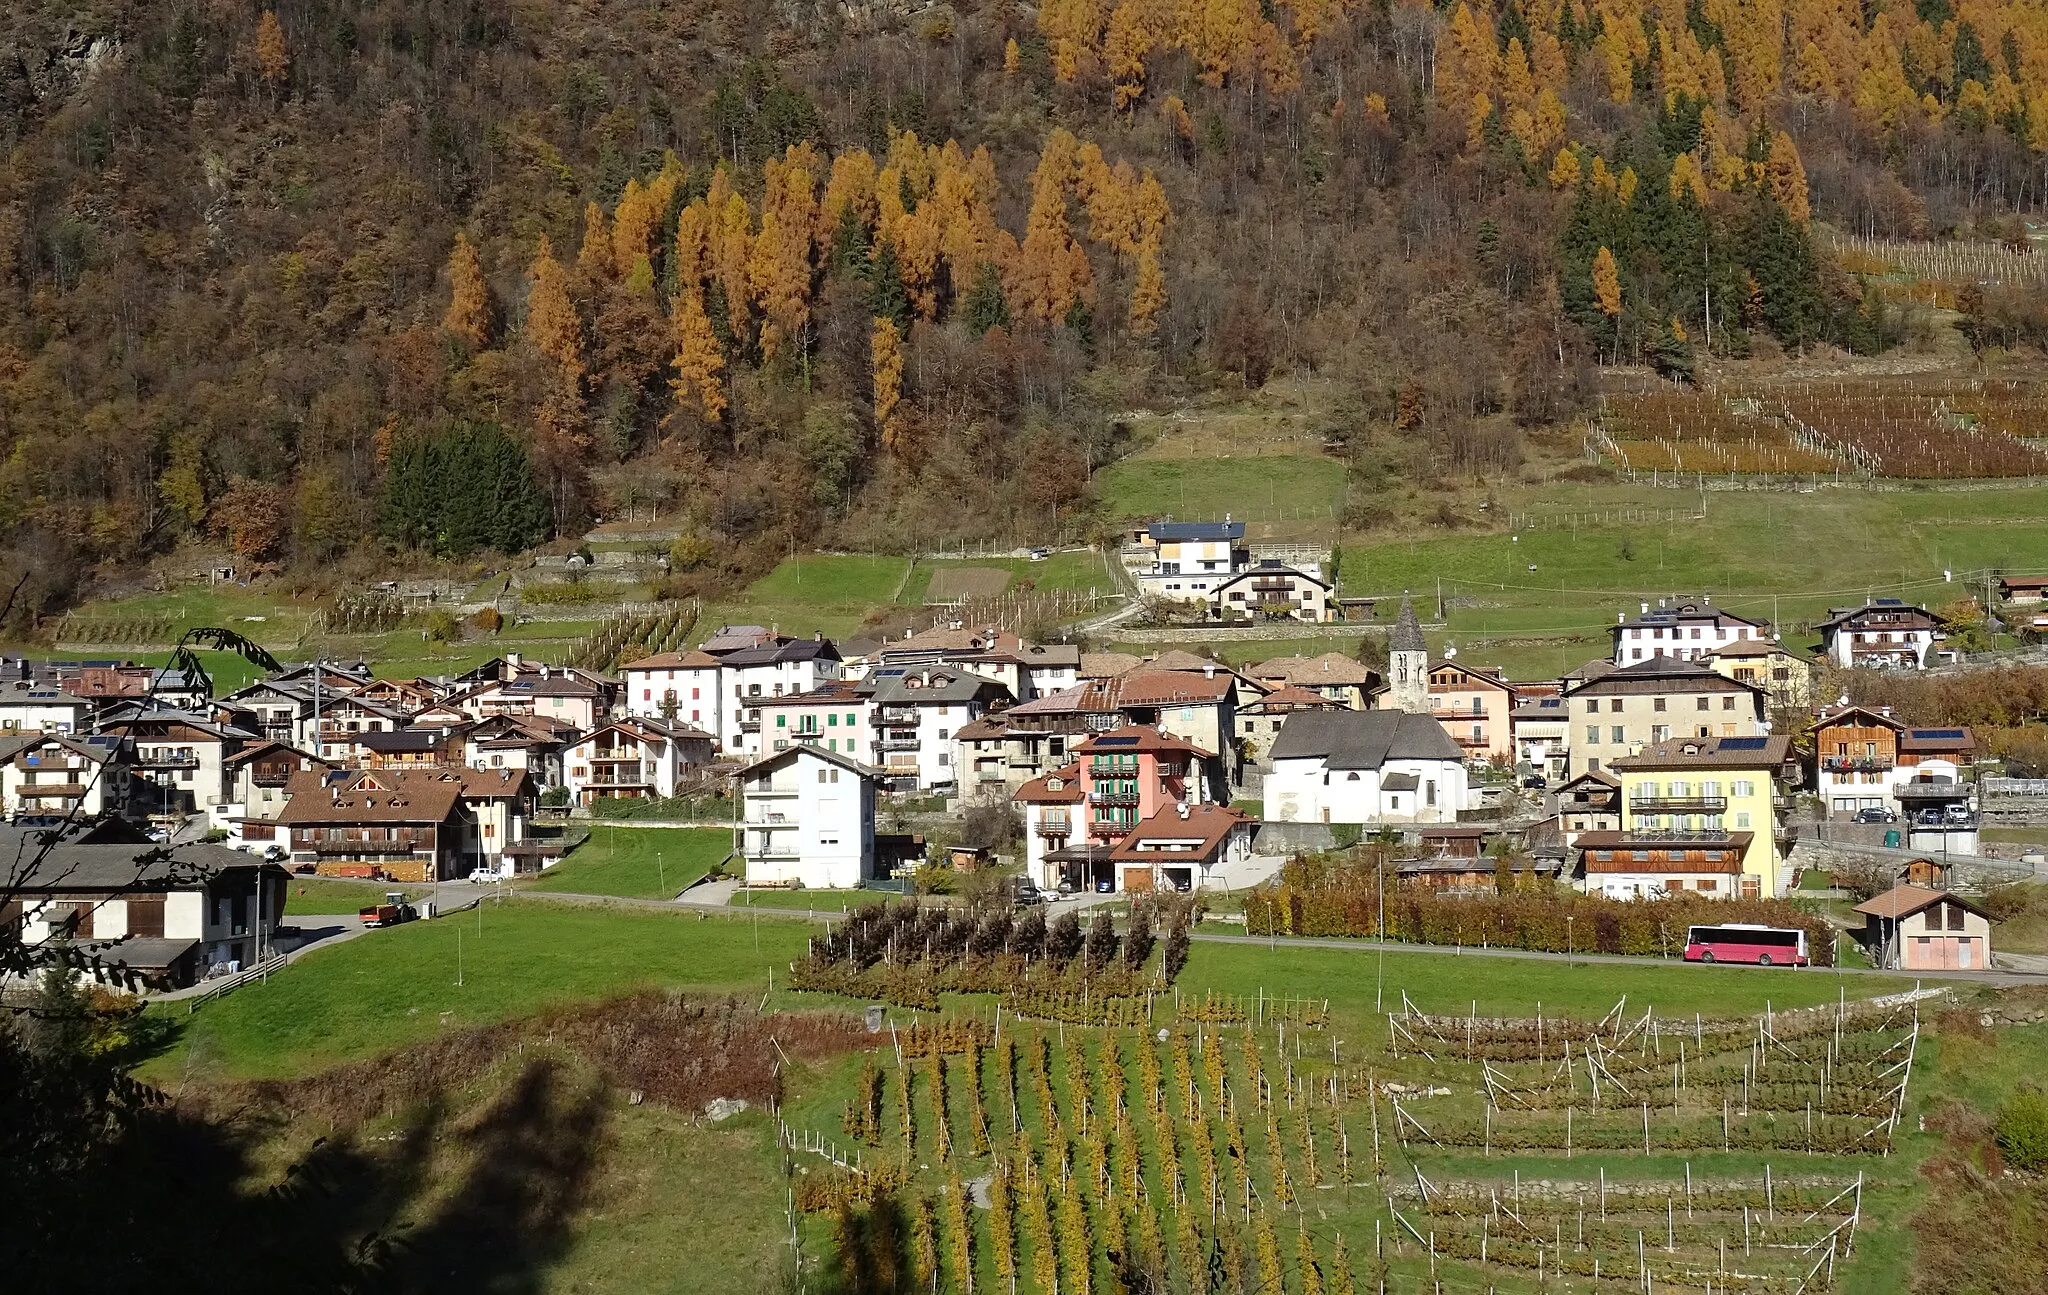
<point x="510" y="958"/>
<point x="1259" y="488"/>
<point x="638" y="862"/>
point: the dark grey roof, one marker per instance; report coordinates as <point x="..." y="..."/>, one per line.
<point x="777" y="653"/>
<point x="146" y="953"/>
<point x="1407" y="632"/>
<point x="1196" y="530"/>
<point x="811" y="748"/>
<point x="1363" y="739"/>
<point x="892" y="688"/>
<point x="76" y="866"/>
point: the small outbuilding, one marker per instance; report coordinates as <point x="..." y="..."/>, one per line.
<point x="1912" y="928"/>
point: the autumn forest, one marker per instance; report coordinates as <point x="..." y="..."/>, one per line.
<point x="870" y="275"/>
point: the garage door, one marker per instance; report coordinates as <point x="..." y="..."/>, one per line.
<point x="1138" y="879"/>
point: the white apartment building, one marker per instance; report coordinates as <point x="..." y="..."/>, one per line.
<point x="1687" y="631"/>
<point x="676" y="685"/>
<point x="809" y="819"/>
<point x="1191" y="559"/>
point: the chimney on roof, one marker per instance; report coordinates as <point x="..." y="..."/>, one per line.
<point x="1885" y="711"/>
<point x="817" y="636"/>
<point x="1646" y="607"/>
<point x="1183" y="808"/>
<point x="1208" y="669"/>
<point x="512" y="659"/>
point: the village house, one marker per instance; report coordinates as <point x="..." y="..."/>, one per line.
<point x="1055" y="813"/>
<point x="28" y="706"/>
<point x="406" y="826"/>
<point x="54" y="773"/>
<point x="1028" y="670"/>
<point x="1884" y="633"/>
<point x="405" y="697"/>
<point x="1657" y="699"/>
<point x="782" y="668"/>
<point x="274" y="711"/>
<point x="179" y="760"/>
<point x="634" y="759"/>
<point x="167" y="915"/>
<point x="1259" y="723"/>
<point x="1912" y="928"/>
<point x="1699" y="793"/>
<point x="916" y="713"/>
<point x="1865" y="759"/>
<point x="676" y="685"/>
<point x="808" y="819"/>
<point x="414" y="748"/>
<point x="837" y="714"/>
<point x="1122" y="777"/>
<point x="1332" y="675"/>
<point x="572" y="697"/>
<point x="528" y="742"/>
<point x="1188" y="560"/>
<point x="1786" y="678"/>
<point x="1645" y="865"/>
<point x="1178" y="847"/>
<point x="2023" y="591"/>
<point x="1365" y="767"/>
<point x="1688" y="631"/>
<point x="1474" y="704"/>
<point x="1591" y="802"/>
<point x="333" y="729"/>
<point x="1005" y="749"/>
<point x="1540" y="728"/>
<point x="1198" y="708"/>
<point x="258" y="779"/>
<point x="1273" y="590"/>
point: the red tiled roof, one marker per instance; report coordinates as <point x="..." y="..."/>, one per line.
<point x="689" y="660"/>
<point x="1039" y="792"/>
<point x="1905" y="900"/>
<point x="1202" y="834"/>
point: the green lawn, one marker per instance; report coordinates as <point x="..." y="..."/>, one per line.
<point x="1599" y="550"/>
<point x="1260" y="488"/>
<point x="808" y="901"/>
<point x="815" y="593"/>
<point x="1449" y="982"/>
<point x="387" y="988"/>
<point x="327" y="897"/>
<point x="638" y="862"/>
<point x="1080" y="570"/>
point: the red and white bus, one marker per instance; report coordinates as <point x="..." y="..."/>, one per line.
<point x="1764" y="946"/>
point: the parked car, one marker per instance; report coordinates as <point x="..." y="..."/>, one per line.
<point x="1535" y="782"/>
<point x="1957" y="813"/>
<point x="1875" y="815"/>
<point x="1025" y="893"/>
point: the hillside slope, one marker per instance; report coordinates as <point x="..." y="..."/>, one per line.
<point x="277" y="276"/>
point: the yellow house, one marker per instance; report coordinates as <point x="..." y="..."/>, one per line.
<point x="1702" y="790"/>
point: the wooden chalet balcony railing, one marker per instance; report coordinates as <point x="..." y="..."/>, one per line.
<point x="1061" y="826"/>
<point x="1856" y="763"/>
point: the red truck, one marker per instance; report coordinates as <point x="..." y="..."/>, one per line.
<point x="391" y="912"/>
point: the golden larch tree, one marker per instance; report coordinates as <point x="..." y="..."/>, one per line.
<point x="1564" y="170"/>
<point x="699" y="361"/>
<point x="1052" y="271"/>
<point x="1012" y="57"/>
<point x="594" y="258"/>
<point x="1148" y="291"/>
<point x="886" y="351"/>
<point x="552" y="324"/>
<point x="273" y="54"/>
<point x="1466" y="60"/>
<point x="1607" y="283"/>
<point x="1788" y="178"/>
<point x="469" y="314"/>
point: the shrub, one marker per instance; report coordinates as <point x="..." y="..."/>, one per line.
<point x="487" y="620"/>
<point x="442" y="627"/>
<point x="554" y="798"/>
<point x="2023" y="1130"/>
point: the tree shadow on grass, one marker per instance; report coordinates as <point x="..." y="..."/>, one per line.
<point x="479" y="1203"/>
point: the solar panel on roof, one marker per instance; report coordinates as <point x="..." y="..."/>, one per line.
<point x="1938" y="732"/>
<point x="1743" y="743"/>
<point x="1116" y="741"/>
